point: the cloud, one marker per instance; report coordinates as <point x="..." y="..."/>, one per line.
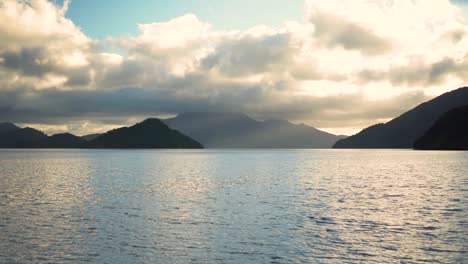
<point x="33" y="23"/>
<point x="454" y="36"/>
<point x="250" y="55"/>
<point x="41" y="48"/>
<point x="64" y="9"/>
<point x="178" y="33"/>
<point x="334" y="31"/>
<point x="348" y="64"/>
<point x="62" y="106"/>
<point x="418" y="73"/>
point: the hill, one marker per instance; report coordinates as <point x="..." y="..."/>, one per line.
<point x="404" y="130"/>
<point x="450" y="132"/>
<point x="151" y="133"/>
<point x="8" y="127"/>
<point x="23" y="138"/>
<point x="65" y="140"/>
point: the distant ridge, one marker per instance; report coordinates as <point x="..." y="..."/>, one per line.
<point x="32" y="138"/>
<point x="91" y="136"/>
<point x="237" y="130"/>
<point x="215" y="130"/>
<point x="450" y="132"/>
<point x="151" y="133"/>
<point x="404" y="130"/>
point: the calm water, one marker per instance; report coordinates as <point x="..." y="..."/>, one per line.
<point x="318" y="206"/>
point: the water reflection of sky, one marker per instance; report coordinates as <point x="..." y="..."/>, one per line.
<point x="233" y="206"/>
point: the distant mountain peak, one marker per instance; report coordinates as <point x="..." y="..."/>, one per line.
<point x="64" y="140"/>
<point x="66" y="134"/>
<point x="152" y="122"/>
<point x="238" y="130"/>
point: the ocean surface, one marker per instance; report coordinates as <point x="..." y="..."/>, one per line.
<point x="233" y="206"/>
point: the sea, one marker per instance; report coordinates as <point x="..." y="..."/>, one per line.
<point x="233" y="206"/>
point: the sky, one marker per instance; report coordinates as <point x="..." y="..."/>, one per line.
<point x="339" y="65"/>
<point x="221" y="14"/>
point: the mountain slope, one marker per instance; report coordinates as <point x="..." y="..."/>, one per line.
<point x="8" y="127"/>
<point x="450" y="132"/>
<point x="404" y="130"/>
<point x="237" y="130"/>
<point x="151" y="133"/>
<point x="22" y="138"/>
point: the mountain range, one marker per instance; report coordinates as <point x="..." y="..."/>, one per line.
<point x="212" y="130"/>
<point x="237" y="130"/>
<point x="403" y="131"/>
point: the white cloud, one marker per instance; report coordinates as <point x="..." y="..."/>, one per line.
<point x="40" y="46"/>
<point x="180" y="32"/>
<point x="37" y="23"/>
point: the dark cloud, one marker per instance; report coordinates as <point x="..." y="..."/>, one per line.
<point x="334" y="31"/>
<point x="39" y="62"/>
<point x="54" y="106"/>
<point x="418" y="73"/>
<point x="274" y="54"/>
<point x="28" y="61"/>
<point x="454" y="36"/>
<point x="312" y="72"/>
<point x="129" y="73"/>
<point x="251" y="55"/>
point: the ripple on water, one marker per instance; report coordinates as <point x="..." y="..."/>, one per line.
<point x="225" y="206"/>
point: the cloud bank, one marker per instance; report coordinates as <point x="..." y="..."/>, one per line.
<point x="349" y="64"/>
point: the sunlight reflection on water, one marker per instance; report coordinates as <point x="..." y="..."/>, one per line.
<point x="272" y="206"/>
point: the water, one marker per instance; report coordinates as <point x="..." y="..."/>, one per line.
<point x="228" y="206"/>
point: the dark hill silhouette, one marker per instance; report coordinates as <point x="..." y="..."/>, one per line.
<point x="450" y="132"/>
<point x="151" y="133"/>
<point x="404" y="130"/>
<point x="237" y="130"/>
<point x="65" y="140"/>
<point x="8" y="127"/>
<point x="22" y="138"/>
<point x="12" y="136"/>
